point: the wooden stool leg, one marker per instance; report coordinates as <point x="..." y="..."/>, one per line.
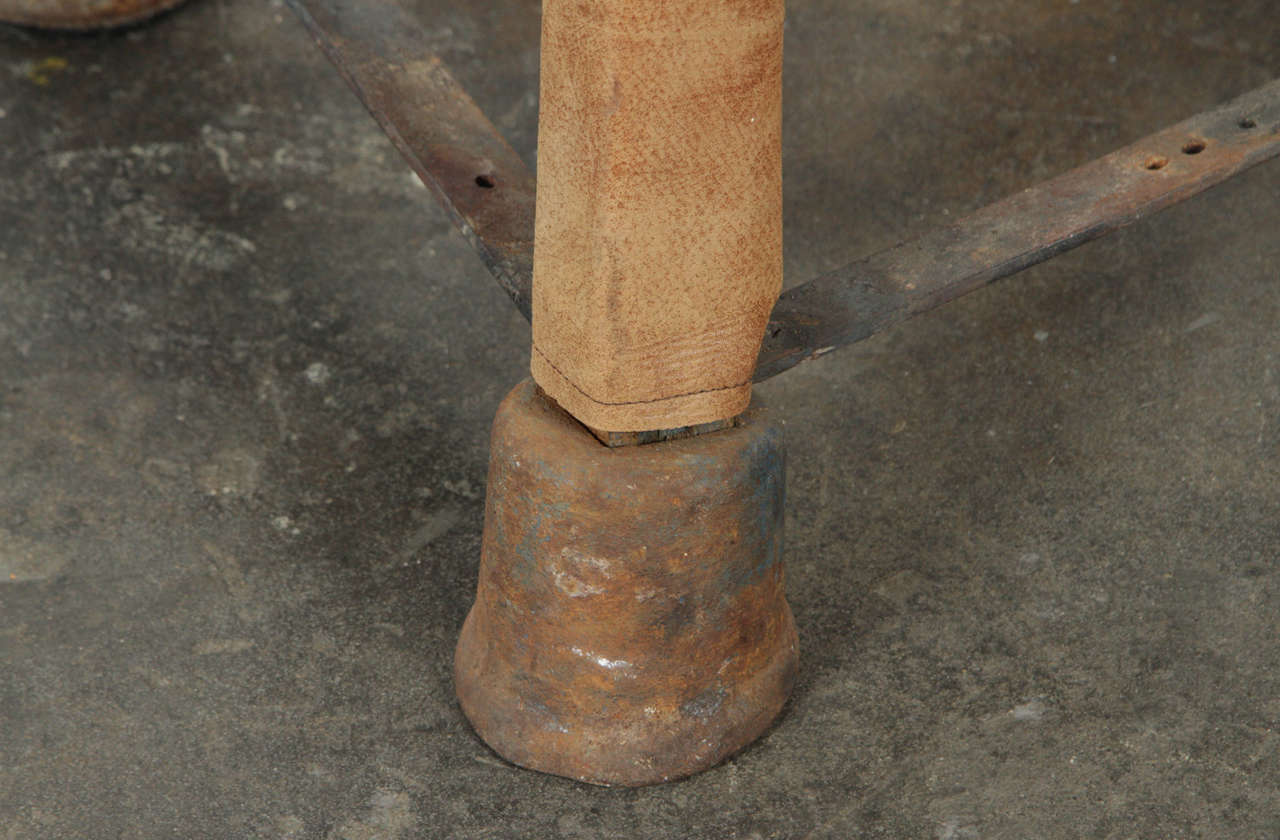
<point x="658" y="248"/>
<point x="630" y="624"/>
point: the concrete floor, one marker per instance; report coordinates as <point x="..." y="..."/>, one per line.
<point x="247" y="369"/>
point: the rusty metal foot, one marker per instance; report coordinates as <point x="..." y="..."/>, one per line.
<point x="630" y="625"/>
<point x="81" y="14"/>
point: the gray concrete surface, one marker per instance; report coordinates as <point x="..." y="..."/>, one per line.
<point x="246" y="373"/>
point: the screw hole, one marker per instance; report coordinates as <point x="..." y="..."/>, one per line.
<point x="1247" y="123"/>
<point x="1156" y="162"/>
<point x="1194" y="147"/>
<point x="484" y="182"/>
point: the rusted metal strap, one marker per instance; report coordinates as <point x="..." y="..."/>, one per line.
<point x="489" y="191"/>
<point x="851" y="303"/>
<point x="483" y="184"/>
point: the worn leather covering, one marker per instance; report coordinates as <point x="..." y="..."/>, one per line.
<point x="658" y="248"/>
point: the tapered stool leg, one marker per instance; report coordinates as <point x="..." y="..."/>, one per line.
<point x="630" y="625"/>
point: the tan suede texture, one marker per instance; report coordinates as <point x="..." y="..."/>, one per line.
<point x="658" y="247"/>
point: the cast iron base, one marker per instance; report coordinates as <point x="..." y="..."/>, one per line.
<point x="629" y="625"/>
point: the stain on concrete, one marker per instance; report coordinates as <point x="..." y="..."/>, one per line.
<point x="390" y="817"/>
